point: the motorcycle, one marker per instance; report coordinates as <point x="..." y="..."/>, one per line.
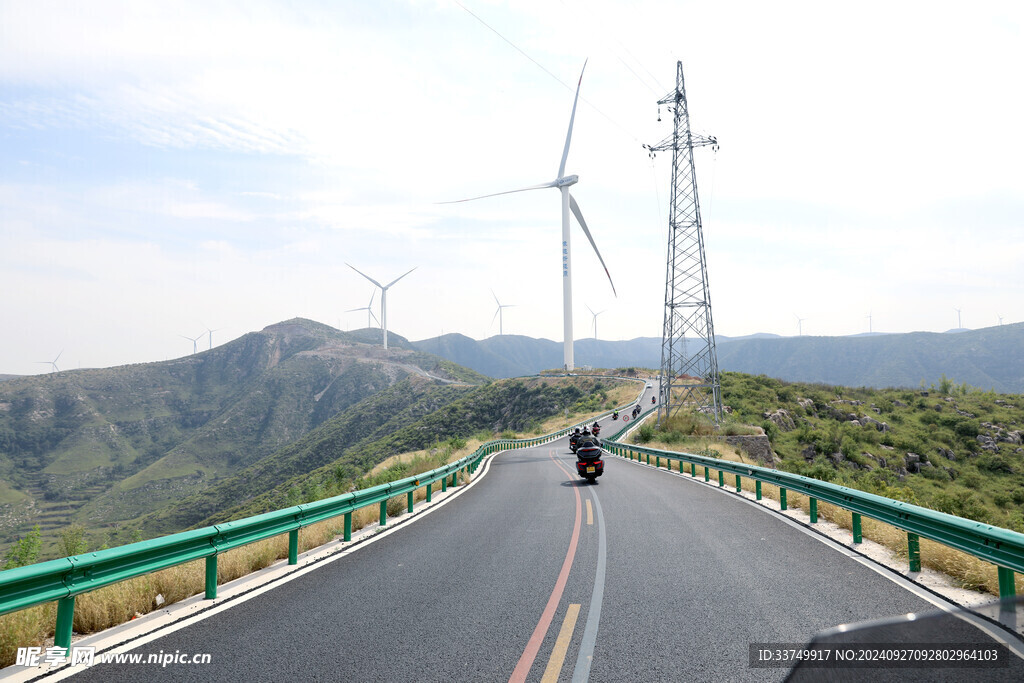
<point x="596" y="429"/>
<point x="589" y="464"/>
<point x="615" y="415"/>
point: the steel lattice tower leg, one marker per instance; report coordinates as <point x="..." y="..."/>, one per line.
<point x="689" y="363"/>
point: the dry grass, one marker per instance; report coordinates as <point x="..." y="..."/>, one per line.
<point x="966" y="570"/>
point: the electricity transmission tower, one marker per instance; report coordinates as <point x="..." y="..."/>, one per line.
<point x="689" y="363"/>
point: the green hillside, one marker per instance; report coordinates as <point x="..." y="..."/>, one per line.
<point x="948" y="447"/>
<point x="103" y="446"/>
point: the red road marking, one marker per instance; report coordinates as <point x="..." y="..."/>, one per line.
<point x="533" y="646"/>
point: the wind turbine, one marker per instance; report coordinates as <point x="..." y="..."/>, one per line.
<point x="383" y="299"/>
<point x="595" y="318"/>
<point x="959" y="324"/>
<point x="211" y="335"/>
<point x="800" y="325"/>
<point x="498" y="313"/>
<point x="194" y="341"/>
<point x="370" y="317"/>
<point x="52" y="363"/>
<point x="1000" y="318"/>
<point x="869" y="323"/>
<point x="563" y="182"/>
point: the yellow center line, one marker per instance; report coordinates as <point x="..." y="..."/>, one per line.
<point x="590" y="513"/>
<point x="554" y="667"/>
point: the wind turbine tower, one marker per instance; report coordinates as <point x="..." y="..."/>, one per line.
<point x="799" y="325"/>
<point x="194" y="340"/>
<point x="595" y="318"/>
<point x="959" y="323"/>
<point x="370" y="317"/>
<point x="498" y="313"/>
<point x="689" y="362"/>
<point x="383" y="298"/>
<point x="562" y="183"/>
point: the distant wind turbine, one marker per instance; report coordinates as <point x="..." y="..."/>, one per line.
<point x="499" y="314"/>
<point x="52" y="363"/>
<point x="194" y="340"/>
<point x="1000" y="318"/>
<point x="211" y="334"/>
<point x="563" y="182"/>
<point x="959" y="324"/>
<point x="370" y="317"/>
<point x="869" y="323"/>
<point x="383" y="299"/>
<point x="595" y="318"/>
<point x="800" y="325"/>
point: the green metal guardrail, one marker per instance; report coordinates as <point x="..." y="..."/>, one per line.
<point x="1001" y="547"/>
<point x="63" y="579"/>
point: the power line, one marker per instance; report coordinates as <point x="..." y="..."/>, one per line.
<point x="545" y="70"/>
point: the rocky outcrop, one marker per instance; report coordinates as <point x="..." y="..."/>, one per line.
<point x="782" y="419"/>
<point x="757" y="447"/>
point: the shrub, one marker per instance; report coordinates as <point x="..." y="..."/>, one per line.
<point x="645" y="433"/>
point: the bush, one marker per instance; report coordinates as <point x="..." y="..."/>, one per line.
<point x="645" y="433"/>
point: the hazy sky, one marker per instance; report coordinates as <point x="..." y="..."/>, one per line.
<point x="166" y="168"/>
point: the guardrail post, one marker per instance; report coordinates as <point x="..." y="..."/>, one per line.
<point x="914" y="552"/>
<point x="211" y="577"/>
<point x="693" y="470"/>
<point x="739" y="486"/>
<point x="444" y="483"/>
<point x="657" y="461"/>
<point x="782" y="498"/>
<point x="721" y="477"/>
<point x="757" y="489"/>
<point x="65" y="618"/>
<point x="348" y="527"/>
<point x="383" y="512"/>
<point x="814" y="510"/>
<point x="1007" y="587"/>
<point x="855" y="523"/>
<point x="293" y="546"/>
<point x="707" y="473"/>
<point x="648" y="458"/>
<point x="429" y="487"/>
<point x="408" y="500"/>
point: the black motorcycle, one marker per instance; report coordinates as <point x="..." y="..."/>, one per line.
<point x="589" y="464"/>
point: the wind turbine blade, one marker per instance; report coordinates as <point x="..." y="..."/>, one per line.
<point x="485" y="196"/>
<point x="58" y="356"/>
<point x="496" y="315"/>
<point x="495" y="299"/>
<point x="374" y="316"/>
<point x="398" y="278"/>
<point x="363" y="274"/>
<point x="586" y="231"/>
<point x="568" y="136"/>
<point x="357" y="309"/>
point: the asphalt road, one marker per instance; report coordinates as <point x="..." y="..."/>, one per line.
<point x="684" y="580"/>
